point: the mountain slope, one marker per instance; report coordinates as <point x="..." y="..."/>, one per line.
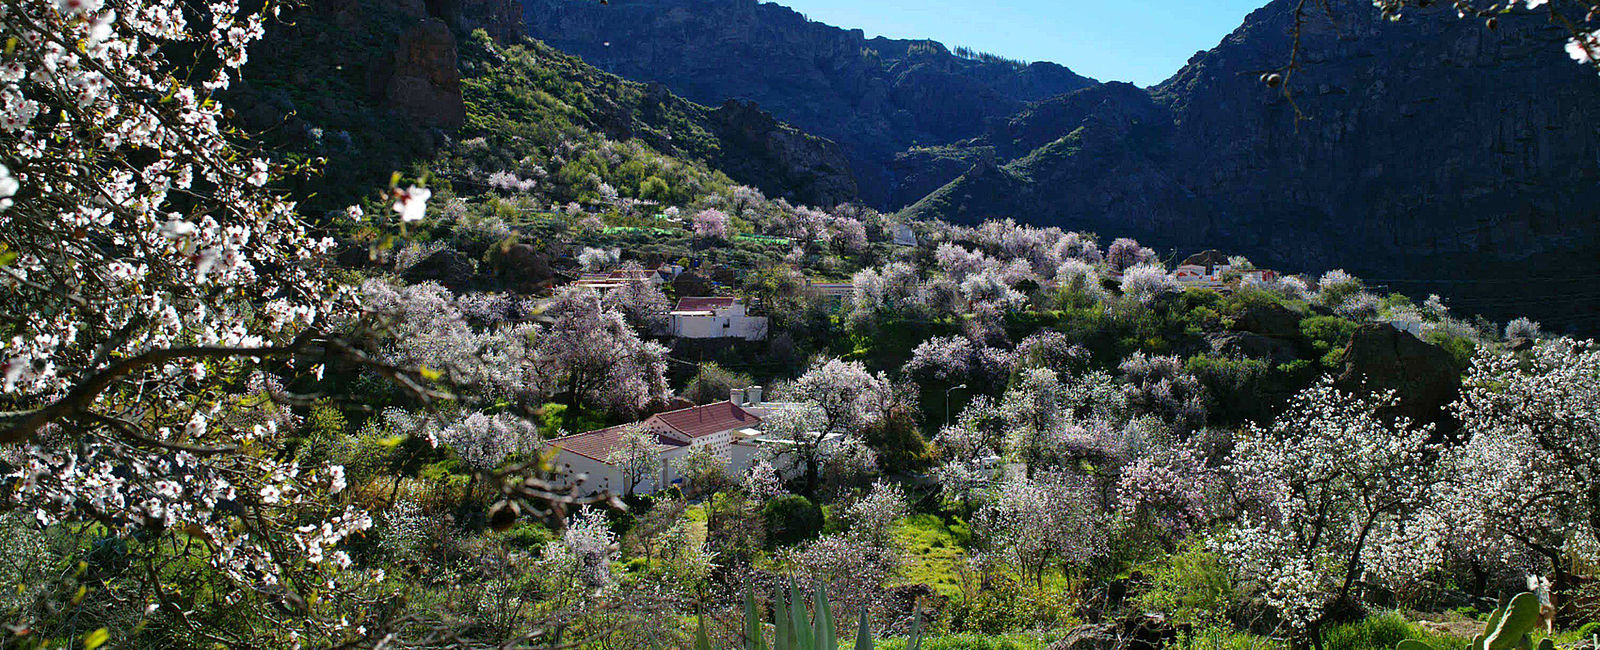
<point x="1436" y="153"/>
<point x="876" y="96"/>
<point x="394" y="84"/>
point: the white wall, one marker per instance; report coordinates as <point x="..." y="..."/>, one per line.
<point x="601" y="477"/>
<point x="604" y="477"/>
<point x="749" y="328"/>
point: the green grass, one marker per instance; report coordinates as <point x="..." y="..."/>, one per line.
<point x="1376" y="632"/>
<point x="1228" y="639"/>
<point x="975" y="642"/>
<point x="1383" y="631"/>
<point x="932" y="554"/>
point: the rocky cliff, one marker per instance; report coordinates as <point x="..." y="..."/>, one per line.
<point x="877" y="97"/>
<point x="1432" y="154"/>
<point x="393" y="81"/>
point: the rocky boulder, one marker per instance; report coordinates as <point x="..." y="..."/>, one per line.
<point x="421" y="79"/>
<point x="1268" y="319"/>
<point x="525" y="266"/>
<point x="1140" y="632"/>
<point x="1423" y="376"/>
<point x="447" y="267"/>
<point x="1255" y="346"/>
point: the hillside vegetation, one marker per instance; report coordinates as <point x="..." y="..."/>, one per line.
<point x="309" y="375"/>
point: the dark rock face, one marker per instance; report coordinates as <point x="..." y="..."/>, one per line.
<point x="1423" y="376"/>
<point x="1268" y="319"/>
<point x="875" y="96"/>
<point x="447" y="267"/>
<point x="1433" y="150"/>
<point x="525" y="266"/>
<point x="502" y="19"/>
<point x="421" y="78"/>
<point x="778" y="155"/>
<point x="1255" y="346"/>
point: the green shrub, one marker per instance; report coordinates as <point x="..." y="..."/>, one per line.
<point x="1383" y="632"/>
<point x="1192" y="586"/>
<point x="556" y="419"/>
<point x="1227" y="638"/>
<point x="1589" y="630"/>
<point x="1370" y="633"/>
<point x="528" y="536"/>
<point x="973" y="642"/>
<point x="1006" y="606"/>
<point x="1328" y="336"/>
<point x="791" y="520"/>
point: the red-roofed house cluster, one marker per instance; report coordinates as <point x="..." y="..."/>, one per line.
<point x="1207" y="270"/>
<point x="729" y="428"/>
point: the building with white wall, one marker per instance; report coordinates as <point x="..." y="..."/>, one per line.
<point x="715" y="426"/>
<point x="717" y="317"/>
<point x="1203" y="269"/>
<point x="607" y="280"/>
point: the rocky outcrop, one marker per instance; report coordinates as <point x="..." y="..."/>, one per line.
<point x="525" y="267"/>
<point x="1423" y="376"/>
<point x="875" y="96"/>
<point x="1140" y="632"/>
<point x="501" y="19"/>
<point x="447" y="267"/>
<point x="1255" y="346"/>
<point x="765" y="152"/>
<point x="738" y="138"/>
<point x="1429" y="149"/>
<point x="421" y="78"/>
<point x="1268" y="319"/>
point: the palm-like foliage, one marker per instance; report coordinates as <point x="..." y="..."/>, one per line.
<point x="794" y="629"/>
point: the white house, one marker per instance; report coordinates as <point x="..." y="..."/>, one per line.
<point x="716" y="426"/>
<point x="1203" y="269"/>
<point x="605" y="281"/>
<point x="716" y="318"/>
<point x="904" y="235"/>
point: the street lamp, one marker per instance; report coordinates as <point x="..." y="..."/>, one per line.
<point x="947" y="402"/>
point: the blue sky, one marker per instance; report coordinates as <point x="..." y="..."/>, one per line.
<point x="1142" y="41"/>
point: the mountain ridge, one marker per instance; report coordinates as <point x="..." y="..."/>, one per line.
<point x="1433" y="153"/>
<point x="877" y="97"/>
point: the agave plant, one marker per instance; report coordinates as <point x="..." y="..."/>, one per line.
<point x="794" y="629"/>
<point x="1509" y="628"/>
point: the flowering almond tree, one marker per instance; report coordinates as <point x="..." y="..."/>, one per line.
<point x="1334" y="480"/>
<point x="1529" y="474"/>
<point x="637" y="456"/>
<point x="145" y="266"/>
<point x="597" y="359"/>
<point x="1032" y="524"/>
<point x="158" y="297"/>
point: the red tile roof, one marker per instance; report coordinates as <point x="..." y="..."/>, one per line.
<point x="705" y="420"/>
<point x="705" y="304"/>
<point x="599" y="444"/>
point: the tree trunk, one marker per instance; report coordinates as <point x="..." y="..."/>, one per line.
<point x="811" y="477"/>
<point x="711" y="513"/>
<point x="573" y="405"/>
<point x="1561" y="592"/>
<point x="394" y="490"/>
